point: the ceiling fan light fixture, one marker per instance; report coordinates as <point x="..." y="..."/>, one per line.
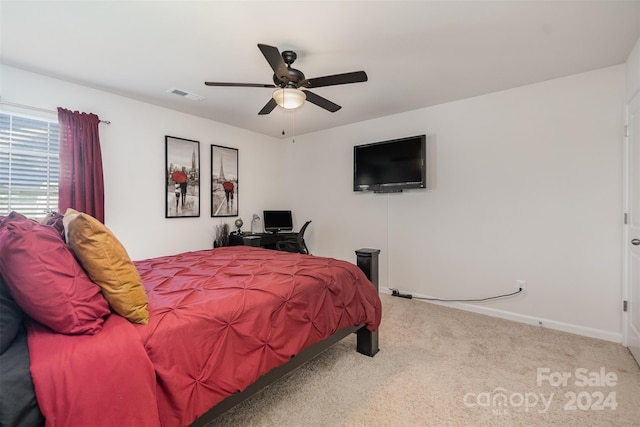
<point x="289" y="98"/>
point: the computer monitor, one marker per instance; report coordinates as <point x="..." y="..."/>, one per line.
<point x="275" y="221"/>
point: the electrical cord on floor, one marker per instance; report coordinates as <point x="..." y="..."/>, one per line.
<point x="396" y="293"/>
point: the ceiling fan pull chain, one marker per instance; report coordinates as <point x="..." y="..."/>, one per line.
<point x="284" y="125"/>
<point x="294" y="126"/>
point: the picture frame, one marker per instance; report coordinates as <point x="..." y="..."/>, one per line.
<point x="182" y="177"/>
<point x="224" y="181"/>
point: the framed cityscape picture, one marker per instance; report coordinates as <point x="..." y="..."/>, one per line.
<point x="182" y="177"/>
<point x="224" y="181"/>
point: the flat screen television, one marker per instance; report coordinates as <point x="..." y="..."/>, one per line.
<point x="276" y="221"/>
<point x="390" y="166"/>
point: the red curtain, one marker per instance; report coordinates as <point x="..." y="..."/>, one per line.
<point x="81" y="180"/>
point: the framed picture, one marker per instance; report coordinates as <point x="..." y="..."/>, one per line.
<point x="182" y="180"/>
<point x="224" y="181"/>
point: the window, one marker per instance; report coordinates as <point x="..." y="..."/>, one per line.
<point x="29" y="165"/>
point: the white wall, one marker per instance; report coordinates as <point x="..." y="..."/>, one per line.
<point x="525" y="184"/>
<point x="133" y="151"/>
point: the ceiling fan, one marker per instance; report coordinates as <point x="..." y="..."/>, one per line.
<point x="289" y="81"/>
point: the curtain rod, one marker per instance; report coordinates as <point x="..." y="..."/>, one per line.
<point x="44" y="110"/>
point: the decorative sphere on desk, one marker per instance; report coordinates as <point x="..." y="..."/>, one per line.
<point x="239" y="223"/>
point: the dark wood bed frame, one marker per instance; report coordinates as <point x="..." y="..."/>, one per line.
<point x="366" y="343"/>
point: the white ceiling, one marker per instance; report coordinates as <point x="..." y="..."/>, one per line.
<point x="416" y="53"/>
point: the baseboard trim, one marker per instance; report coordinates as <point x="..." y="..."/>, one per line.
<point x="530" y="320"/>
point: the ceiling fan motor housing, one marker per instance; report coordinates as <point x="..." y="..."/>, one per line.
<point x="295" y="76"/>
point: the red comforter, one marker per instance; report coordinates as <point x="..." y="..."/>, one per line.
<point x="219" y="319"/>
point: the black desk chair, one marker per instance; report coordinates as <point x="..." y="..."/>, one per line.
<point x="294" y="243"/>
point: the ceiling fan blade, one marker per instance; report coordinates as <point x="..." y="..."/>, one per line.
<point x="336" y="79"/>
<point x="274" y="58"/>
<point x="321" y="102"/>
<point x="269" y="106"/>
<point x="237" y="84"/>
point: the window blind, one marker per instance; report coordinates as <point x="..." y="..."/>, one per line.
<point x="29" y="165"/>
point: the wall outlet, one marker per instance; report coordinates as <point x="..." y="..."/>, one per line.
<point x="521" y="284"/>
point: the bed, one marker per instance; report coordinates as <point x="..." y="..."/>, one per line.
<point x="222" y="323"/>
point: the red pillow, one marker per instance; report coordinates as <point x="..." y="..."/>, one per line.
<point x="13" y="216"/>
<point x="46" y="280"/>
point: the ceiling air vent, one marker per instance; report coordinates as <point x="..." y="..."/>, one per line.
<point x="185" y="94"/>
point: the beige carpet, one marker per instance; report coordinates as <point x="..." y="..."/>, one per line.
<point x="440" y="366"/>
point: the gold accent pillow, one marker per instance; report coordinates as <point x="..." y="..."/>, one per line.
<point x="108" y="265"/>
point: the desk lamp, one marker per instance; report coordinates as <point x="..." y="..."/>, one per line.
<point x="255" y="219"/>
